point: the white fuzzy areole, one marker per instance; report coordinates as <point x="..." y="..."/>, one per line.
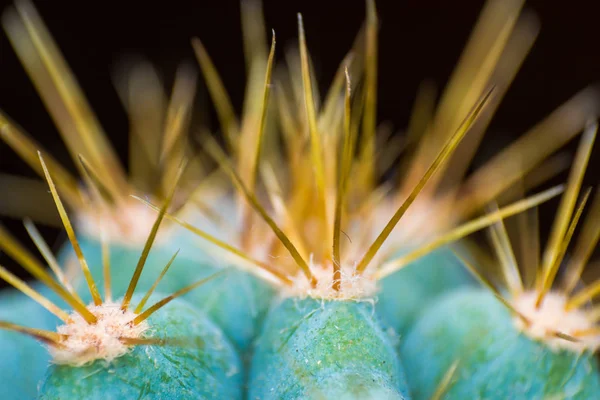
<point x="353" y="286"/>
<point x="551" y="317"/>
<point x="100" y="341"/>
<point x="128" y="224"/>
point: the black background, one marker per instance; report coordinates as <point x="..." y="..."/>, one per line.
<point x="418" y="39"/>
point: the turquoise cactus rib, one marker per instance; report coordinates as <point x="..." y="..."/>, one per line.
<point x="206" y="367"/>
<point x="406" y="293"/>
<point x="325" y="349"/>
<point x="495" y="360"/>
<point x="24" y="360"/>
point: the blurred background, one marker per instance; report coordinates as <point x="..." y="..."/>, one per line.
<point x="419" y="39"/>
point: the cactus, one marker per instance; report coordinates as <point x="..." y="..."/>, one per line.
<point x="96" y="343"/>
<point x="536" y="338"/>
<point x="105" y="214"/>
<point x="204" y="366"/>
<point x="327" y="261"/>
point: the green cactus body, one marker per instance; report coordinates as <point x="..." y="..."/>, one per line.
<point x="496" y="361"/>
<point x="206" y="367"/>
<point x="325" y="349"/>
<point x="24" y="360"/>
<point x="236" y="301"/>
<point x="407" y="292"/>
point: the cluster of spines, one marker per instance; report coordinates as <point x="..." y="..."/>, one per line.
<point x="538" y="275"/>
<point x="328" y="213"/>
<point x="155" y="150"/>
<point x="246" y="139"/>
<point x="63" y="289"/>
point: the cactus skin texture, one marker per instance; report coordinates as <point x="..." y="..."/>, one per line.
<point x="325" y="349"/>
<point x="236" y="301"/>
<point x="24" y="360"/>
<point x="417" y="285"/>
<point x="206" y="368"/>
<point x="495" y="360"/>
